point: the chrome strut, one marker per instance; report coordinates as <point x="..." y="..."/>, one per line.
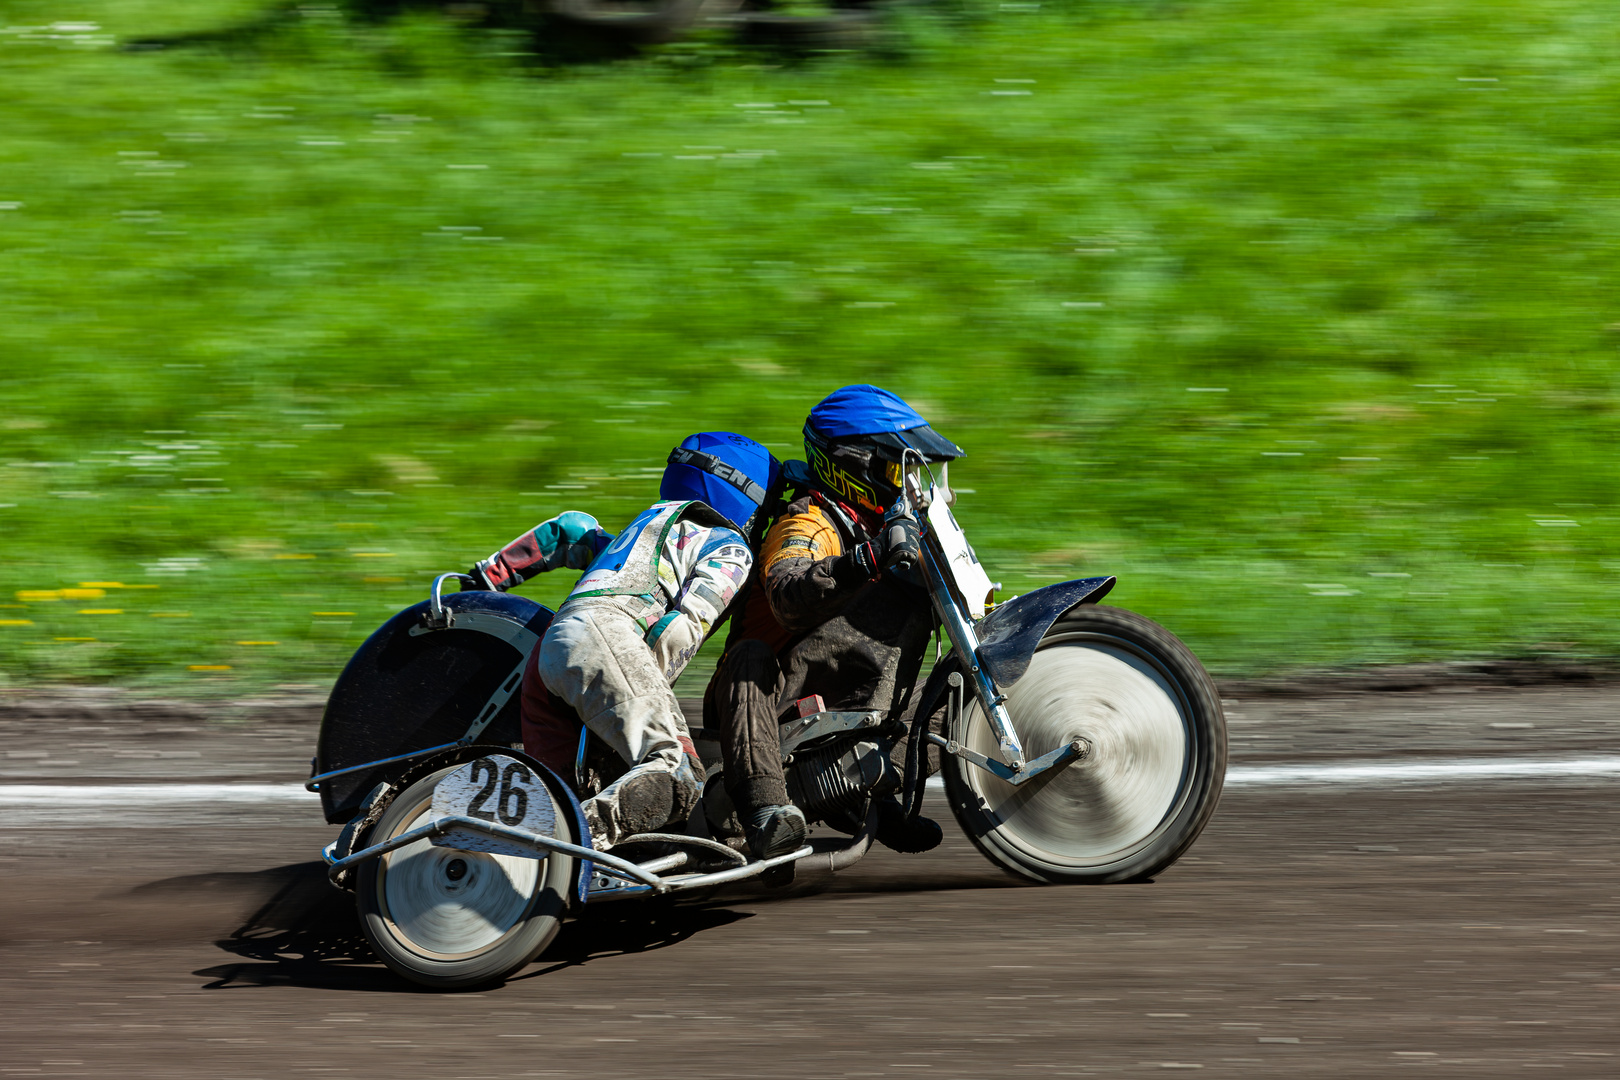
<point x="966" y="641"/>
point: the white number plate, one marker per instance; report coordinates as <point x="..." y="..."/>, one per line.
<point x="500" y="790"/>
<point x="963" y="566"/>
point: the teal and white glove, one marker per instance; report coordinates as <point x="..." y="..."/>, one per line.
<point x="571" y="539"/>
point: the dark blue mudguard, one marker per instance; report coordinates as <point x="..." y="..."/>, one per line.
<point x="1007" y="639"/>
<point x="406" y="690"/>
<point x="1009" y="634"/>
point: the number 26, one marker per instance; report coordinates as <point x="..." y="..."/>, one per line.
<point x="513" y="803"/>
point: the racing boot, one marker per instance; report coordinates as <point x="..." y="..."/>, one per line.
<point x="773" y="831"/>
<point x="909" y="837"/>
<point x="646" y="799"/>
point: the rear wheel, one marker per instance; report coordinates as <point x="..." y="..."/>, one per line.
<point x="455" y="919"/>
<point x="1157" y="755"/>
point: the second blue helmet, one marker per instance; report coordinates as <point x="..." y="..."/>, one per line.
<point x="731" y="473"/>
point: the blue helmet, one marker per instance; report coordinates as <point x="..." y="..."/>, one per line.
<point x="856" y="439"/>
<point x="731" y="474"/>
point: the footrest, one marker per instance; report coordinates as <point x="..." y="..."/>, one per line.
<point x="708" y="847"/>
<point x="689" y="882"/>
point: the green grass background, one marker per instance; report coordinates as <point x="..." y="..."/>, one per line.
<point x="1300" y="319"/>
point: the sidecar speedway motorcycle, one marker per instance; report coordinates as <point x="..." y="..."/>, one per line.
<point x="1079" y="744"/>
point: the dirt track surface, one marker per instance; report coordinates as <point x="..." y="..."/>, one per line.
<point x="1471" y="928"/>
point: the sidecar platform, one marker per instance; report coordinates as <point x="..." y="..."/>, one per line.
<point x="616" y="878"/>
<point x="612" y="877"/>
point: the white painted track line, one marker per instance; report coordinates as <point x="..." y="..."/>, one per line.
<point x="145" y="806"/>
<point x="33" y="805"/>
<point x="31" y="795"/>
<point x="1383" y="773"/>
<point x="1390" y="773"/>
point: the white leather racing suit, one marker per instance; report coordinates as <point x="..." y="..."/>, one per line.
<point x="623" y="636"/>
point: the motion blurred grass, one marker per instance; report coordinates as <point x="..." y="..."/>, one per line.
<point x="1301" y="319"/>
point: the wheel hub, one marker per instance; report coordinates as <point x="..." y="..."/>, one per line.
<point x="447" y="902"/>
<point x="1128" y="775"/>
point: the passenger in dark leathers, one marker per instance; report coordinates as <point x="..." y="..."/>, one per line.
<point x="828" y="611"/>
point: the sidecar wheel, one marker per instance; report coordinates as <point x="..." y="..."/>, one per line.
<point x="454" y="919"/>
<point x="1152" y="718"/>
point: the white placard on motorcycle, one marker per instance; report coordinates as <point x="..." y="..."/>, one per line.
<point x="497" y="789"/>
<point x="963" y="566"/>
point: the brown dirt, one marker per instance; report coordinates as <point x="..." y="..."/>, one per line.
<point x="1337" y="933"/>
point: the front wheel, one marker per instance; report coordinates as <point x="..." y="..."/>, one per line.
<point x="453" y="919"/>
<point x="1152" y="719"/>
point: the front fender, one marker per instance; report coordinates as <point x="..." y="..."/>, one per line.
<point x="1009" y="633"/>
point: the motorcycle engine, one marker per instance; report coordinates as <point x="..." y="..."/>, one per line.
<point x="834" y="781"/>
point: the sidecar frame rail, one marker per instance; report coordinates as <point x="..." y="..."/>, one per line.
<point x="314" y="783"/>
<point x="686" y="882"/>
<point x="604" y="861"/>
<point x="643" y="881"/>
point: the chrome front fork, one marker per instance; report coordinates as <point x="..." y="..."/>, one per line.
<point x="966" y="641"/>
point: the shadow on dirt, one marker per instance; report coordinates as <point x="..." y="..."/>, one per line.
<point x="302" y="932"/>
<point x="305" y="933"/>
<point x="626" y="928"/>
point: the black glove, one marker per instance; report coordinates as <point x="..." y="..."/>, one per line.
<point x="860" y="564"/>
<point x="486" y="575"/>
<point x="896" y="549"/>
<point x="902" y="545"/>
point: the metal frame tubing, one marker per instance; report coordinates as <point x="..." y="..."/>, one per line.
<point x="1052" y="759"/>
<point x="314" y="783"/>
<point x="683" y="882"/>
<point x="1055" y="759"/>
<point x="602" y="860"/>
<point x="856" y="850"/>
<point x="643" y="875"/>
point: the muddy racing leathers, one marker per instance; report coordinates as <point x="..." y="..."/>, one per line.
<point x="821" y="615"/>
<point x="647" y="601"/>
<point x="820" y="618"/>
<point x="622" y="638"/>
